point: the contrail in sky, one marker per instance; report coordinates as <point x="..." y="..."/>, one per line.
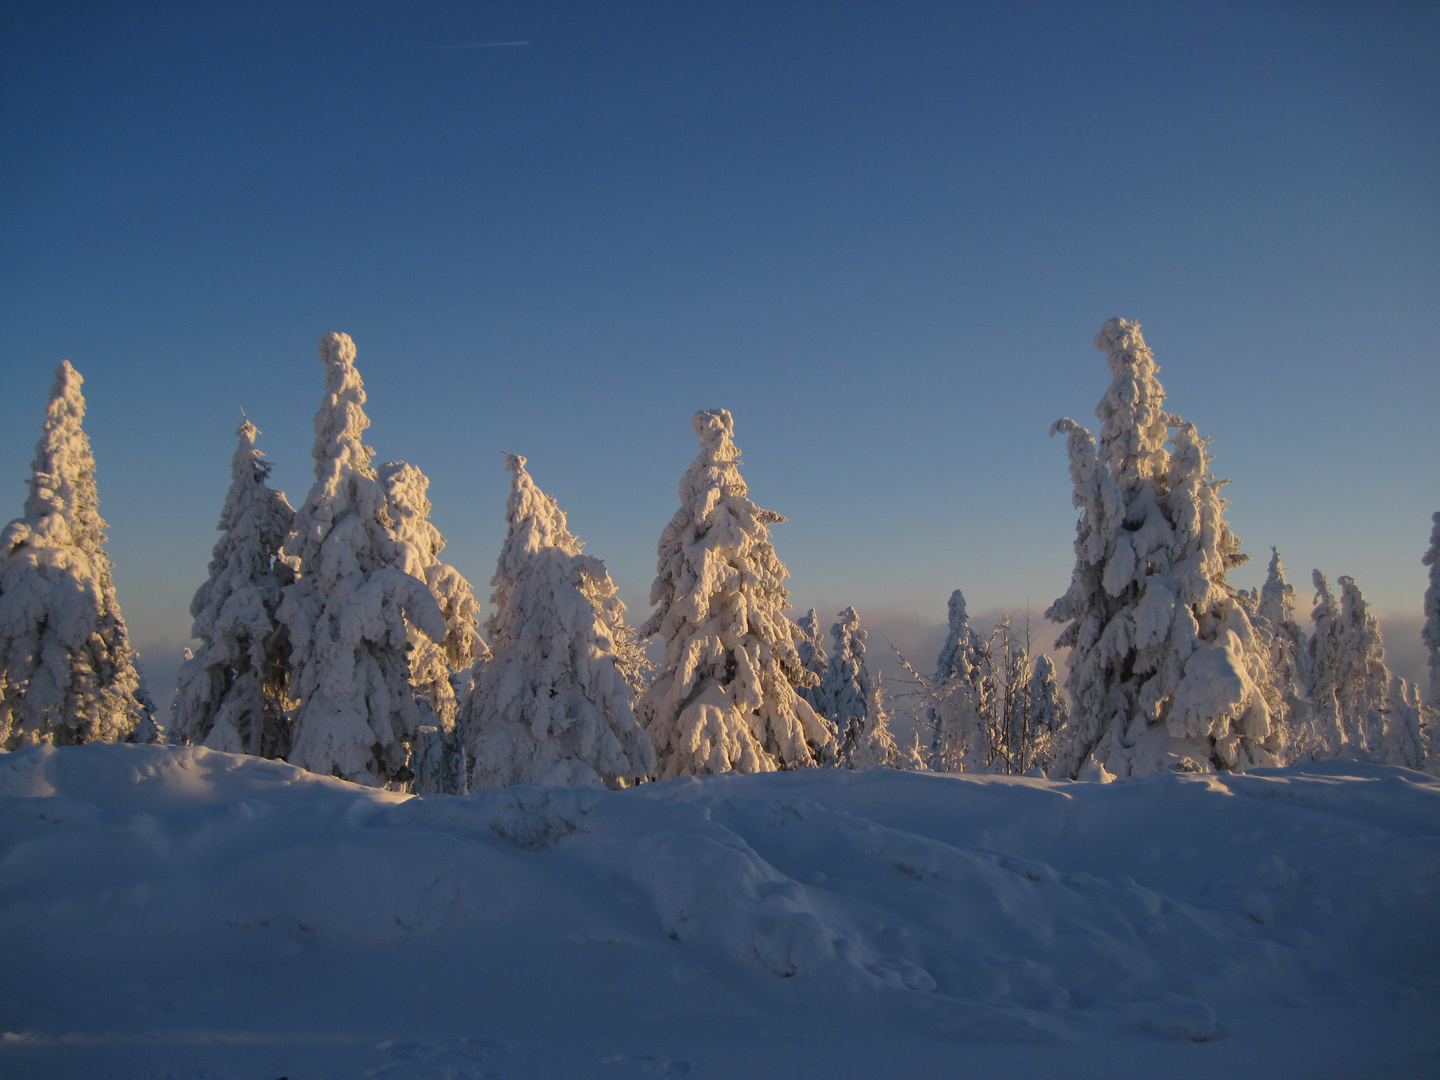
<point x="484" y="45"/>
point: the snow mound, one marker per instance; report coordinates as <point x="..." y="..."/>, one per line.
<point x="229" y="912"/>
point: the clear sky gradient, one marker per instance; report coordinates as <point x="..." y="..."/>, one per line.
<point x="883" y="235"/>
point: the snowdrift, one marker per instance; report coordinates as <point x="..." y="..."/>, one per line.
<point x="186" y="913"/>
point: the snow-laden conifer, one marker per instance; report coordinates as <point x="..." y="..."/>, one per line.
<point x="810" y="646"/>
<point x="350" y="611"/>
<point x="1324" y="735"/>
<point x="1286" y="652"/>
<point x="418" y="543"/>
<point x="724" y="697"/>
<point x="67" y="674"/>
<point x="867" y="742"/>
<point x="1166" y="669"/>
<point x="553" y="705"/>
<point x="958" y="657"/>
<point x="960" y="740"/>
<point x="440" y="671"/>
<point x="231" y="690"/>
<point x="1430" y="634"/>
<point x="1046" y="713"/>
<point x="845" y="693"/>
<point x="1403" y="742"/>
<point x="1347" y="663"/>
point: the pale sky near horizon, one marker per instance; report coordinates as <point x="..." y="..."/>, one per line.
<point x="882" y="235"/>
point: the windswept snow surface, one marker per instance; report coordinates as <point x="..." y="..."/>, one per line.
<point x="180" y="912"/>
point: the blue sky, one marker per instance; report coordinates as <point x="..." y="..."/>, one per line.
<point x="883" y="235"/>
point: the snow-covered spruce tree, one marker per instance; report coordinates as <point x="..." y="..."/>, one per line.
<point x="845" y="692"/>
<point x="1324" y="735"/>
<point x="231" y="691"/>
<point x="1431" y="632"/>
<point x="67" y="674"/>
<point x="867" y="742"/>
<point x="1046" y="714"/>
<point x="1347" y="663"/>
<point x="810" y="645"/>
<point x="959" y="737"/>
<point x="724" y="697"/>
<point x="1286" y="650"/>
<point x="443" y="671"/>
<point x="1403" y="742"/>
<point x="418" y="543"/>
<point x="350" y="610"/>
<point x="1166" y="670"/>
<point x="554" y="704"/>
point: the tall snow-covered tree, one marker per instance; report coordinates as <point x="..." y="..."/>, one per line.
<point x="724" y="697"/>
<point x="554" y="704"/>
<point x="1431" y="631"/>
<point x="67" y="674"/>
<point x="959" y="737"/>
<point x="231" y="690"/>
<point x="810" y="645"/>
<point x="443" y="671"/>
<point x="350" y="611"/>
<point x="845" y="693"/>
<point x="1286" y="648"/>
<point x="1347" y="663"/>
<point x="1325" y="734"/>
<point x="1166" y="669"/>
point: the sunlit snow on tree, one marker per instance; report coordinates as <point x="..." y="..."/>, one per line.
<point x="231" y="690"/>
<point x="1286" y="651"/>
<point x="351" y="610"/>
<point x="555" y="705"/>
<point x="1166" y="669"/>
<point x="724" y="697"/>
<point x="67" y="674"/>
<point x="1360" y="711"/>
<point x="440" y="671"/>
<point x="959" y="739"/>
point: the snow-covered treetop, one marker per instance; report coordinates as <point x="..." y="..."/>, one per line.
<point x="714" y="508"/>
<point x="1207" y="549"/>
<point x="1277" y="597"/>
<point x="811" y="643"/>
<point x="1133" y="422"/>
<point x="62" y="483"/>
<point x="418" y="544"/>
<point x="956" y="659"/>
<point x="846" y="689"/>
<point x="536" y="520"/>
<point x="254" y="520"/>
<point x="344" y="479"/>
<point x="536" y="523"/>
<point x="1323" y="608"/>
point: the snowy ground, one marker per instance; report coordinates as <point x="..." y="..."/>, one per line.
<point x="182" y="913"/>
